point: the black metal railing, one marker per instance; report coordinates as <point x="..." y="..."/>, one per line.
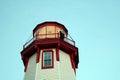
<point x="46" y="36"/>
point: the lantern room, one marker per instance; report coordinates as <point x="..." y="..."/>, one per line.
<point x="50" y="30"/>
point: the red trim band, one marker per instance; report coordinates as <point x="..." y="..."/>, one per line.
<point x="26" y="65"/>
<point x="57" y="54"/>
<point x="38" y="55"/>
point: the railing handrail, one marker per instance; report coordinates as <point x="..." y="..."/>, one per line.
<point x="45" y="36"/>
<point x="28" y="42"/>
<point x="71" y="41"/>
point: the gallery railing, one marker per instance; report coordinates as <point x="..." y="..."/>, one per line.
<point x="47" y="36"/>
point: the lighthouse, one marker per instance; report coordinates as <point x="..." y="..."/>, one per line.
<point x="50" y="54"/>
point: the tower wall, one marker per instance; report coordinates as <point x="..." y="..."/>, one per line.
<point x="62" y="68"/>
<point x="31" y="68"/>
<point x="66" y="70"/>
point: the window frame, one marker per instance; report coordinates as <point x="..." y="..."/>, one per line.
<point x="52" y="59"/>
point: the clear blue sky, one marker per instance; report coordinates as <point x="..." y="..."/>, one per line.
<point x="93" y="24"/>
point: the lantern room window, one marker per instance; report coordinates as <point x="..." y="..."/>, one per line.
<point x="47" y="59"/>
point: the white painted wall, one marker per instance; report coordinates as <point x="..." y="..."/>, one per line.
<point x="66" y="71"/>
<point x="31" y="68"/>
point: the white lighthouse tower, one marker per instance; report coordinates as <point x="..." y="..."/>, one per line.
<point x="50" y="54"/>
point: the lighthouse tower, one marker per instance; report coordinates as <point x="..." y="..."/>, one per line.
<point x="50" y="54"/>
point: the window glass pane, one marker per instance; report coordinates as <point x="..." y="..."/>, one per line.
<point x="47" y="58"/>
<point x="47" y="55"/>
<point x="47" y="63"/>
